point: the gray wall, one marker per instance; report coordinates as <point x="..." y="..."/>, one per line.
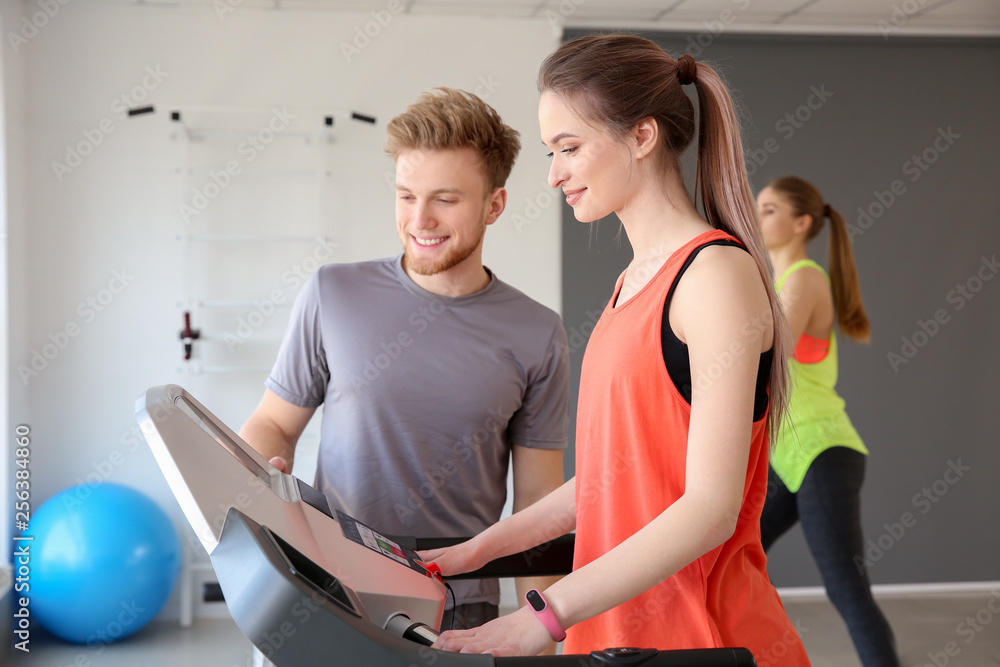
<point x="885" y="102"/>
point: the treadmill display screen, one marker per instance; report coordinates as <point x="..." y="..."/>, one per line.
<point x="305" y="569"/>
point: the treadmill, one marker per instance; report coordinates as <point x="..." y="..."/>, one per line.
<point x="309" y="585"/>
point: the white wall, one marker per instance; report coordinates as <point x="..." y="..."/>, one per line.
<point x="11" y="122"/>
<point x="13" y="404"/>
<point x="118" y="210"/>
<point x="5" y="479"/>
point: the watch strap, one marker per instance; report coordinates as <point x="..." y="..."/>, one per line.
<point x="545" y="615"/>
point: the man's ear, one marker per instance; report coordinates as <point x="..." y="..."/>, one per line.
<point x="496" y="203"/>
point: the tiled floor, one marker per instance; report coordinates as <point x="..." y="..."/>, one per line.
<point x="927" y="630"/>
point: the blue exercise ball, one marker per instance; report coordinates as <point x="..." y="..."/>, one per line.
<point x="104" y="560"/>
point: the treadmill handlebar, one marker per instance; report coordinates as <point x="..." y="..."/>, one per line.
<point x="401" y="625"/>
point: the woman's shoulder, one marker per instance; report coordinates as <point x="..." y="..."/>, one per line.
<point x="726" y="263"/>
<point x="804" y="276"/>
<point x="722" y="288"/>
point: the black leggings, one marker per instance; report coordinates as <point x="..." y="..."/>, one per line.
<point x="829" y="505"/>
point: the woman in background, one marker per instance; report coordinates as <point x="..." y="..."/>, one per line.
<point x="818" y="459"/>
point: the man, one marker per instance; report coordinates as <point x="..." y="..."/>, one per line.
<point x="432" y="372"/>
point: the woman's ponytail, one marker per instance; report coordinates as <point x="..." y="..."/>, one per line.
<point x="847" y="301"/>
<point x="724" y="189"/>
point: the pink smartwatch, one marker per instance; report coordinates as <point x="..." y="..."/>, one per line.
<point x="545" y="615"/>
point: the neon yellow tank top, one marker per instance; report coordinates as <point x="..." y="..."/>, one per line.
<point x="816" y="419"/>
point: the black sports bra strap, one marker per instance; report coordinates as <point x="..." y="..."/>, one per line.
<point x="675" y="353"/>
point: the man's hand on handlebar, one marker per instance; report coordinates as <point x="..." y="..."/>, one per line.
<point x="280" y="463"/>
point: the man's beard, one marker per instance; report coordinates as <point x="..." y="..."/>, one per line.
<point x="452" y="258"/>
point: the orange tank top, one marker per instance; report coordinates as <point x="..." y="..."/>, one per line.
<point x="632" y="428"/>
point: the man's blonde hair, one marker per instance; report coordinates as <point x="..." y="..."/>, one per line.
<point x="450" y="119"/>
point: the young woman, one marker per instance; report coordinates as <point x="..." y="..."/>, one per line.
<point x="674" y="409"/>
<point x="818" y="460"/>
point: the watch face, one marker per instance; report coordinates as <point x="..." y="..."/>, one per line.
<point x="535" y="600"/>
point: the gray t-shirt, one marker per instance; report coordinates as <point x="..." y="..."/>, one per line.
<point x="423" y="396"/>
